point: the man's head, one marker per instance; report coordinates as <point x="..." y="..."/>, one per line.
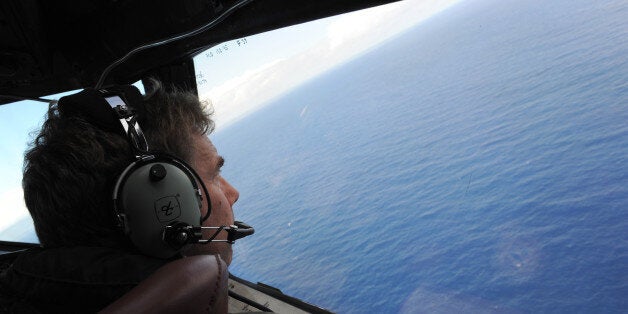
<point x="72" y="165"/>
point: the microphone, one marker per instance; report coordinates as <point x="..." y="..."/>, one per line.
<point x="239" y="230"/>
<point x="178" y="234"/>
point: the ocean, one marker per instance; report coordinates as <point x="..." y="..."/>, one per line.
<point x="475" y="163"/>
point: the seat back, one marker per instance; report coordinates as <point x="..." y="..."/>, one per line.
<point x="196" y="284"/>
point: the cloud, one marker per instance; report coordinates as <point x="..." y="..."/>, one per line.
<point x="352" y="26"/>
<point x="369" y="27"/>
<point x="238" y="95"/>
<point x="243" y="94"/>
<point x="346" y="36"/>
<point x="348" y="28"/>
<point x="248" y="92"/>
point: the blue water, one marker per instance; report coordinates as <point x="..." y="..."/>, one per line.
<point x="476" y="163"/>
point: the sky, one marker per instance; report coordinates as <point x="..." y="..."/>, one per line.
<point x="237" y="77"/>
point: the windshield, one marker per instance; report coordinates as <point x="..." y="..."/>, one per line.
<point x="474" y="161"/>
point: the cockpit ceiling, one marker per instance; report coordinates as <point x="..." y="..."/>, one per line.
<point x="53" y="46"/>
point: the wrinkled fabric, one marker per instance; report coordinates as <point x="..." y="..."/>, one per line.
<point x="66" y="280"/>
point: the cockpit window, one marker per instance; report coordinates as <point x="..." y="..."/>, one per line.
<point x="21" y="122"/>
<point x="475" y="161"/>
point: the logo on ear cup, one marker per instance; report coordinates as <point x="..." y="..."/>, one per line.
<point x="167" y="208"/>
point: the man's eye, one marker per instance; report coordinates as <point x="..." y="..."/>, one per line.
<point x="221" y="163"/>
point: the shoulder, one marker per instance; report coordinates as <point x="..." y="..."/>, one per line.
<point x="85" y="265"/>
<point x="87" y="278"/>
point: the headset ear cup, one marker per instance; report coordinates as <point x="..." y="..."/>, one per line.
<point x="154" y="191"/>
<point x="151" y="194"/>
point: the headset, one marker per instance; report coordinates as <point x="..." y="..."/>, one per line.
<point x="157" y="198"/>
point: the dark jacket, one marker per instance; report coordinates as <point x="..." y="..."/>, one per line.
<point x="71" y="280"/>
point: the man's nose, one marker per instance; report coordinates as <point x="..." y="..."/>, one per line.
<point x="232" y="194"/>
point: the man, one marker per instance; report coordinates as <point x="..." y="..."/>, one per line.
<point x="86" y="261"/>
